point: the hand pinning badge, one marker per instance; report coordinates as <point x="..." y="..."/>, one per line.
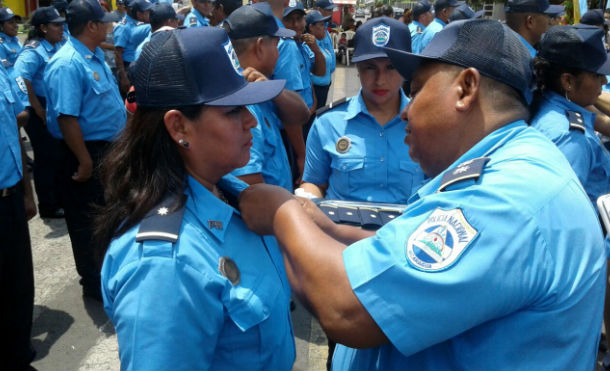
<point x="343" y="144"/>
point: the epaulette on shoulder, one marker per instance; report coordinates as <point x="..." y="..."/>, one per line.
<point x="163" y="222"/>
<point x="320" y="111"/>
<point x="33" y="44"/>
<point x="193" y="21"/>
<point x="1" y="40"/>
<point x="576" y="121"/>
<point x="471" y="169"/>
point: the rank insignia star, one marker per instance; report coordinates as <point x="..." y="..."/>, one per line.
<point x="162" y="211"/>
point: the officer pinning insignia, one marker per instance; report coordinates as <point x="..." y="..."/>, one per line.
<point x="343" y="144"/>
<point x="576" y="121"/>
<point x="228" y="268"/>
<point x="163" y="221"/>
<point x="471" y="169"/>
<point x="381" y="35"/>
<point x="96" y="76"/>
<point x="440" y="240"/>
<point x="215" y="224"/>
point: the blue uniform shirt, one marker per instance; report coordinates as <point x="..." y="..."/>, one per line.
<point x="9" y="50"/>
<point x="10" y="152"/>
<point x="417" y="29"/>
<point x="174" y="310"/>
<point x="31" y="63"/>
<point x="293" y="67"/>
<point x="267" y="155"/>
<point x="493" y="272"/>
<point x="376" y="166"/>
<point x="129" y="35"/>
<point x="328" y="53"/>
<point x="588" y="158"/>
<point x="139" y="48"/>
<point x="80" y="84"/>
<point x="529" y="46"/>
<point x="433" y="28"/>
<point x="195" y="19"/>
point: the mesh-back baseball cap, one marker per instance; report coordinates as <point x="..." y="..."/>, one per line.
<point x="579" y="46"/>
<point x="87" y="11"/>
<point x="6" y="14"/>
<point x="44" y="15"/>
<point x="315" y="16"/>
<point x="195" y="66"/>
<point x="254" y="20"/>
<point x="594" y="17"/>
<point x="529" y="6"/>
<point x="484" y="44"/>
<point x="420" y="8"/>
<point x="377" y="33"/>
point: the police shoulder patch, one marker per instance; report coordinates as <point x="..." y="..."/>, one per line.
<point x="576" y="121"/>
<point x="21" y="84"/>
<point x="471" y="169"/>
<point x="193" y="21"/>
<point x="440" y="240"/>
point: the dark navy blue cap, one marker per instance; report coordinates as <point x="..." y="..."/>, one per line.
<point x="44" y="15"/>
<point x="6" y="14"/>
<point x="325" y="4"/>
<point x="87" y="11"/>
<point x="161" y="12"/>
<point x="140" y="5"/>
<point x="195" y="66"/>
<point x="461" y="12"/>
<point x="594" y="17"/>
<point x="530" y="6"/>
<point x="254" y="20"/>
<point x="420" y="8"/>
<point x="555" y="10"/>
<point x="579" y="46"/>
<point x="295" y="6"/>
<point x="315" y="16"/>
<point x="442" y="4"/>
<point x="377" y="33"/>
<point x="484" y="44"/>
<point x="60" y="5"/>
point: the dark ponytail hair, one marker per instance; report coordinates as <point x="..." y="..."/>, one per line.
<point x="548" y="78"/>
<point x="35" y="33"/>
<point x="141" y="168"/>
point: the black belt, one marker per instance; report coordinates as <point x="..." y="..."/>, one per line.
<point x="5" y="192"/>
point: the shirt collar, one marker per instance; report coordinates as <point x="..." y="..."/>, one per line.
<point x="7" y="37"/>
<point x="419" y="24"/>
<point x="47" y="45"/>
<point x="84" y="51"/>
<point x="485" y="147"/>
<point x="213" y="214"/>
<point x="440" y="21"/>
<point x="129" y="19"/>
<point x="561" y="102"/>
<point x="356" y="105"/>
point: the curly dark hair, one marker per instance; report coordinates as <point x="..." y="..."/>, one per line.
<point x="548" y="78"/>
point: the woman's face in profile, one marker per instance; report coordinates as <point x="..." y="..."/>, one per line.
<point x="219" y="141"/>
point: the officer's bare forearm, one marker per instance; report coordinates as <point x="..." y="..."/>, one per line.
<point x="27" y="184"/>
<point x="291" y="108"/>
<point x="314" y="264"/>
<point x="315" y="189"/>
<point x="73" y="136"/>
<point x="319" y="67"/>
<point x="295" y="137"/>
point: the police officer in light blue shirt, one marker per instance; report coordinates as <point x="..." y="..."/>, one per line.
<point x="10" y="46"/>
<point x="481" y="270"/>
<point x="255" y="34"/>
<point x="355" y="151"/>
<point x="198" y="16"/>
<point x="85" y="111"/>
<point x="316" y="27"/>
<point x="530" y="19"/>
<point x="422" y="16"/>
<point x="176" y="237"/>
<point x="442" y="12"/>
<point x="561" y="113"/>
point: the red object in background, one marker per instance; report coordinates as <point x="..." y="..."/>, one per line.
<point x="130" y="101"/>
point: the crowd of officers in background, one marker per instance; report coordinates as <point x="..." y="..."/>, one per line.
<point x="69" y="88"/>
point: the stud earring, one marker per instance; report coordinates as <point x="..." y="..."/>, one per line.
<point x="182" y="142"/>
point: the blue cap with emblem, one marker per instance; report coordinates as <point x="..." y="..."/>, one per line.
<point x="140" y="5"/>
<point x="377" y="33"/>
<point x="530" y="6"/>
<point x="87" y="11"/>
<point x="6" y="14"/>
<point x="325" y="4"/>
<point x="195" y="66"/>
<point x="579" y="46"/>
<point x="44" y="15"/>
<point x="420" y="8"/>
<point x="295" y="6"/>
<point x="484" y="44"/>
<point x="315" y="16"/>
<point x="254" y="20"/>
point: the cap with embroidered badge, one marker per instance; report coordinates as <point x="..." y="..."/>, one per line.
<point x="315" y="16"/>
<point x="294" y="6"/>
<point x="461" y="12"/>
<point x="87" y="11"/>
<point x="373" y="35"/>
<point x="594" y="17"/>
<point x="44" y="15"/>
<point x="420" y="8"/>
<point x="579" y="46"/>
<point x="484" y="44"/>
<point x="254" y="20"/>
<point x="195" y="66"/>
<point x="161" y="12"/>
<point x="325" y="4"/>
<point x="140" y="5"/>
<point x="7" y="13"/>
<point x="531" y="6"/>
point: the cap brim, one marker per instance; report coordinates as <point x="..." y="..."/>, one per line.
<point x="288" y="12"/>
<point x="604" y="69"/>
<point x="108" y="17"/>
<point x="57" y="20"/>
<point x="251" y="93"/>
<point x="406" y="63"/>
<point x="366" y="57"/>
<point x="11" y="17"/>
<point x="284" y="32"/>
<point x="554" y="10"/>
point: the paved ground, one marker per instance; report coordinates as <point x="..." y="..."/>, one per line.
<point x="70" y="333"/>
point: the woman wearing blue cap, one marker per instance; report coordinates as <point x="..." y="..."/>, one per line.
<point x="185" y="283"/>
<point x="355" y="151"/>
<point x="10" y="46"/>
<point x="42" y="43"/>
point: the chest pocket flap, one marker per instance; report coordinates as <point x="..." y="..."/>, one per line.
<point x="250" y="305"/>
<point x="347" y="163"/>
